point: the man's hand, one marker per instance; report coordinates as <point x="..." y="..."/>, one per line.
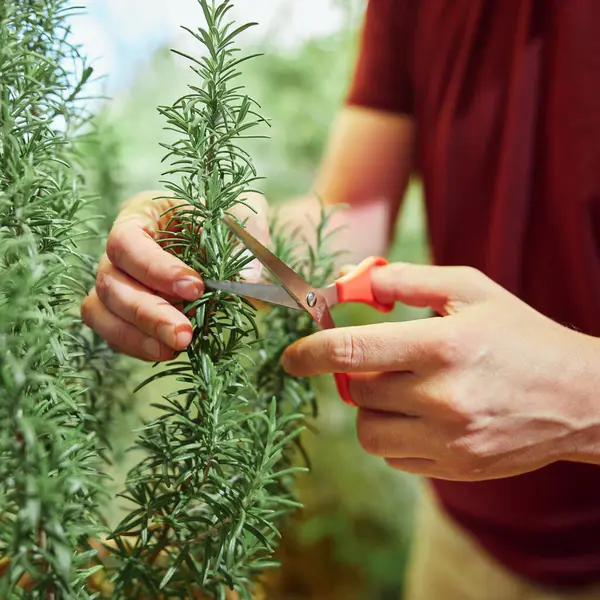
<point x="490" y="389"/>
<point x="140" y="288"/>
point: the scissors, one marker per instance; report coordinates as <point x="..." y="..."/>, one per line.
<point x="293" y="292"/>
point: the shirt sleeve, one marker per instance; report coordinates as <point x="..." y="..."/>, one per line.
<point x="382" y="74"/>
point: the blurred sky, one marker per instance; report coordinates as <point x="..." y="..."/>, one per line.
<point x="118" y="35"/>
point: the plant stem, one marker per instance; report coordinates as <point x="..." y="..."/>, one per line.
<point x="161" y="544"/>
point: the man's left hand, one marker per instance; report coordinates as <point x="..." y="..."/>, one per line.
<point x="489" y="389"/>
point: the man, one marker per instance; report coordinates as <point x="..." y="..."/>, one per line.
<point x="497" y="104"/>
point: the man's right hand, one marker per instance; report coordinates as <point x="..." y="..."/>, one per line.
<point x="136" y="304"/>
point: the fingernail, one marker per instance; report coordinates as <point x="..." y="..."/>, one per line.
<point x="151" y="347"/>
<point x="189" y="288"/>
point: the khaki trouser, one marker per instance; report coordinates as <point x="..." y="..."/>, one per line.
<point x="447" y="564"/>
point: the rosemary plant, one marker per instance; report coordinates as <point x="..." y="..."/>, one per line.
<point x="216" y="479"/>
<point x="49" y="483"/>
<point x="55" y="392"/>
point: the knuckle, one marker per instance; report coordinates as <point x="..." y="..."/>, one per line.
<point x="347" y="351"/>
<point x="469" y="274"/>
<point x="465" y="472"/>
<point x="364" y="391"/>
<point x="115" y="245"/>
<point x="86" y="310"/>
<point x="472" y="455"/>
<point x="119" y="336"/>
<point x="449" y="347"/>
<point x="367" y="435"/>
<point x="137" y="313"/>
<point x="476" y="281"/>
<point x="471" y="470"/>
<point x="455" y="402"/>
<point x="103" y="285"/>
<point x="149" y="271"/>
<point x="467" y="456"/>
<point x="143" y="317"/>
<point x="464" y="343"/>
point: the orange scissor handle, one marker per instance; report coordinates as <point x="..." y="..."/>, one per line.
<point x="356" y="287"/>
<point x="342" y="382"/>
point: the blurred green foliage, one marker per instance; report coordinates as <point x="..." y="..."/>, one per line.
<point x="363" y="508"/>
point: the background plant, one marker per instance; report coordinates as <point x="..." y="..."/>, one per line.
<point x="54" y="375"/>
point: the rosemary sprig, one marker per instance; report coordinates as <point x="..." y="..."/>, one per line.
<point x="216" y="479"/>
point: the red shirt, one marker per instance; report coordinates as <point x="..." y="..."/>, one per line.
<point x="506" y="99"/>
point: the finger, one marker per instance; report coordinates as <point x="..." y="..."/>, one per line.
<point x="391" y="392"/>
<point x="438" y="469"/>
<point x="178" y="303"/>
<point x="380" y="347"/>
<point x="390" y="435"/>
<point x="139" y="306"/>
<point x="131" y="247"/>
<point x="119" y="334"/>
<point x="346" y="269"/>
<point x="444" y="289"/>
<point x="159" y="212"/>
<point x="425" y="467"/>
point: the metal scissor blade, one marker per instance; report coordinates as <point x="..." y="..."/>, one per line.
<point x="272" y="294"/>
<point x="290" y="281"/>
<point x="287" y="277"/>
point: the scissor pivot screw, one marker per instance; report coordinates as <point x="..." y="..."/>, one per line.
<point x="311" y="299"/>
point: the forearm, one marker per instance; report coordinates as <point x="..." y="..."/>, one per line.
<point x="366" y="167"/>
<point x="361" y="229"/>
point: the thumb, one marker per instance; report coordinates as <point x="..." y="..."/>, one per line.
<point x="446" y="290"/>
<point x="346" y="270"/>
